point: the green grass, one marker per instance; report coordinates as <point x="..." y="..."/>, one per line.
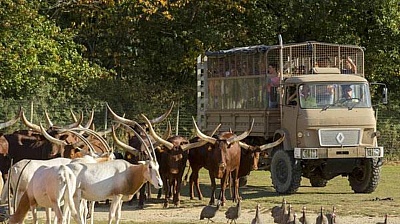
<point x="337" y="193"/>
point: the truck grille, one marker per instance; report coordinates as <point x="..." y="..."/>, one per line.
<point x="339" y="137"/>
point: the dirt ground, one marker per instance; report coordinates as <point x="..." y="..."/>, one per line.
<point x="154" y="213"/>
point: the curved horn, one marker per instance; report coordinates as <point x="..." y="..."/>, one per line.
<point x="90" y="131"/>
<point x="215" y="130"/>
<point x="244" y="145"/>
<point x="76" y="123"/>
<point x="168" y="132"/>
<point x="124" y="146"/>
<point x="12" y="121"/>
<point x="90" y="121"/>
<point x="166" y="143"/>
<point x="48" y="119"/>
<point x="162" y="117"/>
<point x="150" y="154"/>
<point x="273" y="144"/>
<point x="193" y="145"/>
<point x="51" y="138"/>
<point x="83" y="139"/>
<point x="203" y="136"/>
<point x="30" y="125"/>
<point x="121" y="119"/>
<point x="242" y="136"/>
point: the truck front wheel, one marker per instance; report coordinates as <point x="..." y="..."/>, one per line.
<point x="365" y="177"/>
<point x="285" y="173"/>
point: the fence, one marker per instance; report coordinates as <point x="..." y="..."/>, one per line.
<point x="180" y="119"/>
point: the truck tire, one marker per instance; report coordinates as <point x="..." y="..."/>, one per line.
<point x="365" y="178"/>
<point x="285" y="173"/>
<point x="318" y="181"/>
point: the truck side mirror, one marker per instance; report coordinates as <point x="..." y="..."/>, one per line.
<point x="385" y="96"/>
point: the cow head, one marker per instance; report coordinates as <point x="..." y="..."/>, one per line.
<point x="225" y="150"/>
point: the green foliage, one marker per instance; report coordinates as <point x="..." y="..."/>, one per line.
<point x="38" y="59"/>
<point x="62" y="53"/>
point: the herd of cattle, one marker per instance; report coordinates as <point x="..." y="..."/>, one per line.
<point x="74" y="165"/>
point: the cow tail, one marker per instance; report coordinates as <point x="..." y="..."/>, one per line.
<point x="70" y="183"/>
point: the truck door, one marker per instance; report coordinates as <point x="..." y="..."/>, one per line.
<point x="290" y="112"/>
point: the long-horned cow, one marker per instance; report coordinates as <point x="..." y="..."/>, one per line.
<point x="172" y="154"/>
<point x="135" y="142"/>
<point x="224" y="160"/>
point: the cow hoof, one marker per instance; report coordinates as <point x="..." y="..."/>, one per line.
<point x="165" y="205"/>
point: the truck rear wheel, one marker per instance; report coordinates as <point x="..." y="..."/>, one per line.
<point x="318" y="181"/>
<point x="285" y="174"/>
<point x="365" y="177"/>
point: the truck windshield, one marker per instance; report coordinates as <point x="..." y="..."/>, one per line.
<point x="334" y="95"/>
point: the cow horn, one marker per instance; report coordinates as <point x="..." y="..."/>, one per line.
<point x="242" y="136"/>
<point x="51" y="138"/>
<point x="215" y="130"/>
<point x="76" y="123"/>
<point x="12" y="121"/>
<point x="272" y="144"/>
<point x="83" y="139"/>
<point x="150" y="154"/>
<point x="168" y="132"/>
<point x="244" y="145"/>
<point x="101" y="139"/>
<point x="90" y="121"/>
<point x="203" y="136"/>
<point x="48" y="119"/>
<point x="162" y="117"/>
<point x="119" y="118"/>
<point x="125" y="147"/>
<point x="193" y="145"/>
<point x="166" y="143"/>
<point x="29" y="124"/>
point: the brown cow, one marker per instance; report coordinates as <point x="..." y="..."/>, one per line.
<point x="224" y="160"/>
<point x="198" y="158"/>
<point x="172" y="156"/>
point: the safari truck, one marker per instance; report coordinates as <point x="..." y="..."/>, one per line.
<point x="314" y="94"/>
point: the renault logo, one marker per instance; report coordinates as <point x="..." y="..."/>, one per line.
<point x="340" y="137"/>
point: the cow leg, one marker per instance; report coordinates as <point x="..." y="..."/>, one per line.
<point x="236" y="186"/>
<point x="167" y="191"/>
<point x="176" y="192"/>
<point x="142" y="196"/>
<point x="194" y="181"/>
<point x="213" y="188"/>
<point x="223" y="188"/>
<point x="114" y="206"/>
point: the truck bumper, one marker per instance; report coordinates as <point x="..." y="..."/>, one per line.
<point x="345" y="152"/>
